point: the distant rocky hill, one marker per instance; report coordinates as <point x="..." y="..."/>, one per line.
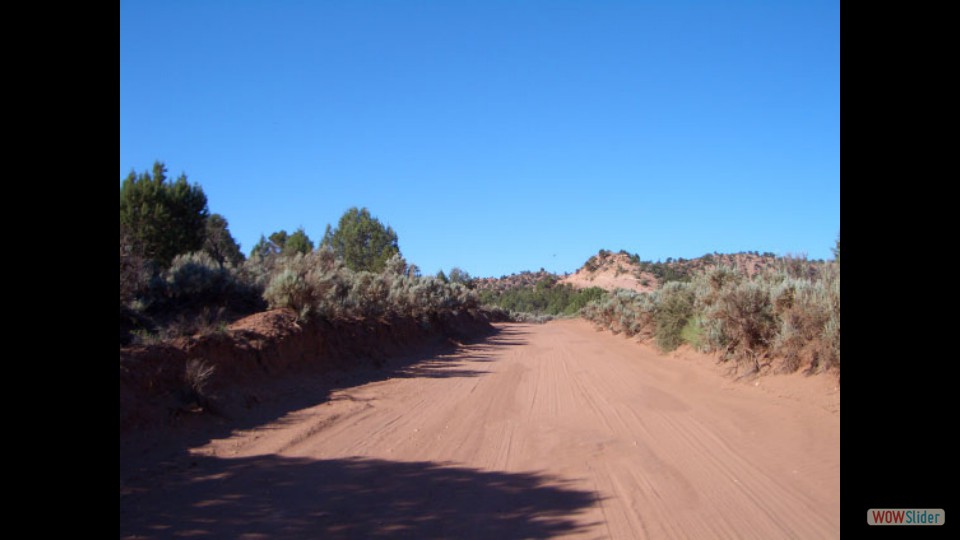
<point x="622" y="270"/>
<point x="611" y="270"/>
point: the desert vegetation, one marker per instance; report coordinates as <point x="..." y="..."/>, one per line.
<point x="512" y="281"/>
<point x="182" y="272"/>
<point x="539" y="302"/>
<point x="652" y="274"/>
<point x="321" y="284"/>
<point x="785" y="315"/>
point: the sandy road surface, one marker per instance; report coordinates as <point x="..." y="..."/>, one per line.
<point x="539" y="431"/>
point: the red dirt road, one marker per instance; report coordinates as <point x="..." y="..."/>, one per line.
<point x="540" y="431"/>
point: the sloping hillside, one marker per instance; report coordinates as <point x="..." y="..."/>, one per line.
<point x="622" y="270"/>
<point x="613" y="271"/>
<point x="609" y="270"/>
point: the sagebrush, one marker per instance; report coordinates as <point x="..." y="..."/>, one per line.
<point x="789" y="313"/>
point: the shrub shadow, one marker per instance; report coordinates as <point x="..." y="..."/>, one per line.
<point x="450" y="362"/>
<point x="273" y="399"/>
<point x="282" y="497"/>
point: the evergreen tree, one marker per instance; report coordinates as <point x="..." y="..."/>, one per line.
<point x="279" y="240"/>
<point x="362" y="241"/>
<point x="298" y="242"/>
<point x="327" y="240"/>
<point x="219" y="243"/>
<point x="263" y="248"/>
<point x="163" y="219"/>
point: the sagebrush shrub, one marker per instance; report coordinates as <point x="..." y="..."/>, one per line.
<point x="197" y="275"/>
<point x="809" y="316"/>
<point x="789" y="311"/>
<point x="320" y="283"/>
<point x="289" y="289"/>
<point x="674" y="310"/>
<point x="746" y="317"/>
<point x="196" y="281"/>
<point x="624" y="311"/>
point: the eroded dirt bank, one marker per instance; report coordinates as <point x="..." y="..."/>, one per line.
<point x="538" y="431"/>
<point x="253" y="354"/>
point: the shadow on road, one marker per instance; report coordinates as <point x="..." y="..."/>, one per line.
<point x="451" y="362"/>
<point x="280" y="497"/>
<point x="272" y="399"/>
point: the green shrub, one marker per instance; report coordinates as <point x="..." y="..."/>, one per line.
<point x="809" y="320"/>
<point x="547" y="297"/>
<point x="674" y="310"/>
<point x="625" y="311"/>
<point x="197" y="276"/>
<point x="289" y="289"/>
<point x="196" y="294"/>
<point x="746" y="317"/>
<point x="369" y="294"/>
<point x="708" y="287"/>
<point x="692" y="333"/>
<point x="196" y="281"/>
<point x="787" y="312"/>
<point x="320" y="283"/>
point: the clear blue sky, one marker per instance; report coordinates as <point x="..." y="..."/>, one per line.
<point x="498" y="136"/>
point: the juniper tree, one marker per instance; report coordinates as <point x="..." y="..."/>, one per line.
<point x="362" y="241"/>
<point x="298" y="242"/>
<point x="219" y="243"/>
<point x="163" y="219"/>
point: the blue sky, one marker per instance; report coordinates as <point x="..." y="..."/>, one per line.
<point x="498" y="136"/>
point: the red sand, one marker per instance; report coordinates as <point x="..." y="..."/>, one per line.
<point x="541" y="430"/>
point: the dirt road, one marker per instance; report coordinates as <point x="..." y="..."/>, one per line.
<point x="542" y="430"/>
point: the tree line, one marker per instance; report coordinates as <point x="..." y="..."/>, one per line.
<point x="181" y="269"/>
<point x="162" y="218"/>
